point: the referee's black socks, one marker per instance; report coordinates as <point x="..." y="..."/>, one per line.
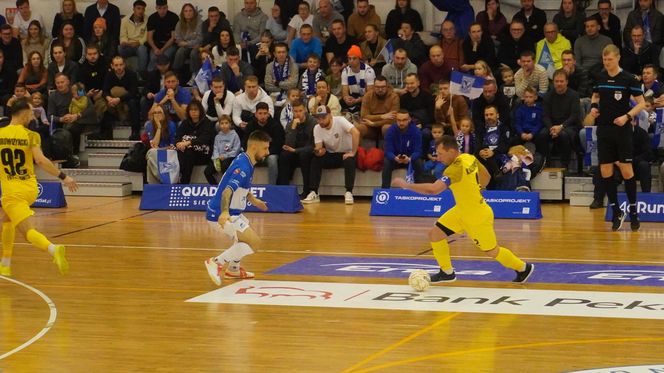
<point x="630" y="190"/>
<point x="611" y="192"/>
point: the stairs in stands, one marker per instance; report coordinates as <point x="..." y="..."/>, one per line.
<point x="579" y="189"/>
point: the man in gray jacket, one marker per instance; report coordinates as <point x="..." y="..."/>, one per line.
<point x="396" y="71"/>
<point x="249" y="24"/>
<point x="298" y="147"/>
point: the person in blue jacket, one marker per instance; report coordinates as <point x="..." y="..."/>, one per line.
<point x="403" y="145"/>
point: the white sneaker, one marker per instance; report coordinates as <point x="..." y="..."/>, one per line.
<point x="348" y="198"/>
<point x="312" y="197"/>
<point x="215" y="271"/>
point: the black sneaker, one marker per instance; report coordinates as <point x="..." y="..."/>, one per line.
<point x="443" y="277"/>
<point x="597" y="204"/>
<point x="618" y="219"/>
<point x="634" y="222"/>
<point x="522" y="277"/>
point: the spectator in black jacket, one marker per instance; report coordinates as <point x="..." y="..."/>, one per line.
<point x="210" y="30"/>
<point x="8" y="79"/>
<point x="265" y="122"/>
<point x="490" y="96"/>
<point x="298" y="147"/>
<point x="478" y="45"/>
<point x="513" y="43"/>
<point x="609" y="23"/>
<point x="11" y="47"/>
<point x="194" y="140"/>
<point x="491" y="142"/>
<point x="561" y="117"/>
<point x="154" y="83"/>
<point x="638" y="52"/>
<point x="60" y="64"/>
<point x="533" y="18"/>
<point x="578" y="78"/>
<point x="410" y="41"/>
<point x="111" y="15"/>
<point x="92" y="74"/>
<point x="121" y="93"/>
<point x="402" y="12"/>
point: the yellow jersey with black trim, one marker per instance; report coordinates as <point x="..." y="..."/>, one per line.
<point x="463" y="179"/>
<point x="18" y="170"/>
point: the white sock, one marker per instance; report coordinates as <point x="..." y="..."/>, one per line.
<point x="51" y="249"/>
<point x="7" y="262"/>
<point x="235" y="253"/>
<point x="234" y="266"/>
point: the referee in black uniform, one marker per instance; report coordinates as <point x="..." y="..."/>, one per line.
<point x="610" y="105"/>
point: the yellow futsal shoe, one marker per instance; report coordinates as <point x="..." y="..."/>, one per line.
<point x="60" y="260"/>
<point x="5" y="271"/>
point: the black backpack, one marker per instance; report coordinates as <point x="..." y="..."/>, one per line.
<point x="134" y="160"/>
<point x="61" y="144"/>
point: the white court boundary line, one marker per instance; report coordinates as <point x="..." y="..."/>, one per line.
<point x="49" y="324"/>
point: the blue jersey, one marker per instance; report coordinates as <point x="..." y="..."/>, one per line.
<point x="237" y="177"/>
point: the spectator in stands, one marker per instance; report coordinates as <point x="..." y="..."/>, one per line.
<point x="529" y="123"/>
<point x="356" y="80"/>
<point x="304" y="46"/>
<point x="121" y="93"/>
<point x="194" y="139"/>
<point x="106" y="10"/>
<point x="73" y="45"/>
<point x="311" y="76"/>
<point x="187" y="39"/>
<point x="323" y="20"/>
<point x="448" y="109"/>
<point x="226" y="147"/>
<point x="303" y="17"/>
<point x="483" y="70"/>
<point x="434" y="70"/>
<point x="133" y="35"/>
<point x="403" y="146"/>
<point x="276" y="25"/>
<point x="490" y="96"/>
<point x="264" y="121"/>
<point x="286" y="114"/>
<point x="530" y="75"/>
<point x="492" y="20"/>
<point x="106" y="45"/>
<point x="477" y="46"/>
<point x="217" y="101"/>
<point x="513" y="44"/>
<point x="67" y="13"/>
<point x="263" y="57"/>
<point x="402" y="12"/>
<point x="420" y="105"/>
<point x="235" y="71"/>
<point x="364" y="15"/>
<point x="161" y="135"/>
<point x="379" y="109"/>
<point x="325" y="98"/>
<point x="173" y="98"/>
<point x="533" y="19"/>
<point x="161" y="38"/>
<point x="577" y="76"/>
<point x="411" y="42"/>
<point x="338" y="44"/>
<point x="224" y="43"/>
<point x="154" y="82"/>
<point x="335" y="145"/>
<point x="492" y="142"/>
<point x="555" y="45"/>
<point x="11" y="48"/>
<point x="244" y="106"/>
<point x="561" y="117"/>
<point x="452" y="45"/>
<point x="23" y="17"/>
<point x="20" y="92"/>
<point x="432" y="167"/>
<point x="588" y="48"/>
<point x="280" y="75"/>
<point x="609" y="23"/>
<point x="8" y="79"/>
<point x="92" y="73"/>
<point x="651" y="86"/>
<point x="35" y="41"/>
<point x="59" y="109"/>
<point x="570" y="20"/>
<point x="507" y="87"/>
<point x="248" y="25"/>
<point x="334" y="77"/>
<point x="210" y="30"/>
<point x="298" y="147"/>
<point x="60" y="64"/>
<point x="396" y="71"/>
<point x="638" y="53"/>
<point x="372" y="46"/>
<point x="34" y="75"/>
<point x="646" y="15"/>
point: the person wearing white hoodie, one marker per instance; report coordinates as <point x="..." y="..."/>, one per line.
<point x="244" y="106"/>
<point x="397" y="70"/>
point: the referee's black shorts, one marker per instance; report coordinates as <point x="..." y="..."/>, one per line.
<point x="614" y="143"/>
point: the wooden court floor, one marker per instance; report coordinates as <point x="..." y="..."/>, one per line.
<point x="123" y="309"/>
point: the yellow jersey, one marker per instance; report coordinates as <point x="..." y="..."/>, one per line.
<point x="463" y="177"/>
<point x="18" y="170"/>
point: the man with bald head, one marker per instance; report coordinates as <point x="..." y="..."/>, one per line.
<point x="323" y="20"/>
<point x="434" y="70"/>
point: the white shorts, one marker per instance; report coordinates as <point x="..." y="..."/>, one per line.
<point x="235" y="224"/>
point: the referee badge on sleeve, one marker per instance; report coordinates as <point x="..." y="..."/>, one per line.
<point x="617" y="95"/>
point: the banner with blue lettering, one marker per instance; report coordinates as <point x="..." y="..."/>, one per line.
<point x="194" y="197"/>
<point x="650" y="207"/>
<point x="505" y="204"/>
<point x="50" y="195"/>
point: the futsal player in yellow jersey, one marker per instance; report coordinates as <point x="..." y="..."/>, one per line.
<point x="466" y="177"/>
<point x="19" y="148"/>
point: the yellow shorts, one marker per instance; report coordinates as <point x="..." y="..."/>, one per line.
<point x="17" y="205"/>
<point x="478" y="224"/>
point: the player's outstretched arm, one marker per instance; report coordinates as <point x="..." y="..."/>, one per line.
<point x="436" y="187"/>
<point x="50" y="168"/>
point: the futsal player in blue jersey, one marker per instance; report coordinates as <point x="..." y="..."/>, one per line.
<point x="224" y="211"/>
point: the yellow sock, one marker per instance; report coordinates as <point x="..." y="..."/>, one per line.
<point x="441" y="251"/>
<point x="7" y="239"/>
<point x="509" y="260"/>
<point x="37" y="239"/>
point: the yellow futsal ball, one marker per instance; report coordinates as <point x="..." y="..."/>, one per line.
<point x="419" y="280"/>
